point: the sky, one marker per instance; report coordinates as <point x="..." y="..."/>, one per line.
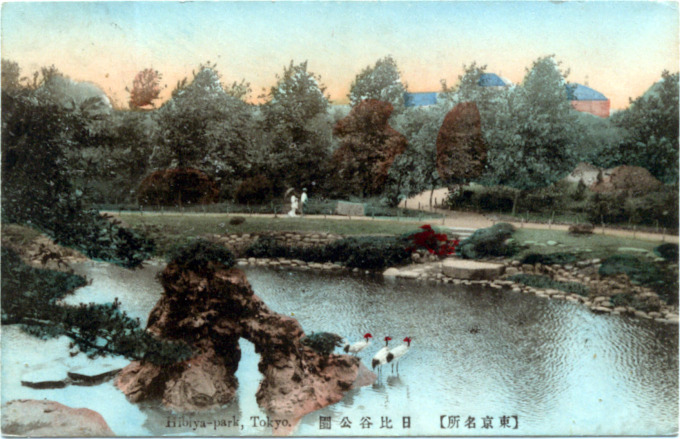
<point x="618" y="48"/>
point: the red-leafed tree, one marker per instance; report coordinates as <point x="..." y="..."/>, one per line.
<point x="461" y="152"/>
<point x="368" y="148"/>
<point x="145" y="89"/>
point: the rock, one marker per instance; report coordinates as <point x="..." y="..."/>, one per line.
<point x="511" y="271"/>
<point x="391" y="272"/>
<point x="211" y="314"/>
<point x="50" y="378"/>
<point x="28" y="417"/>
<point x="95" y="374"/>
<point x="581" y="229"/>
<point x="551" y="243"/>
<point x="408" y="274"/>
<point x="465" y="269"/>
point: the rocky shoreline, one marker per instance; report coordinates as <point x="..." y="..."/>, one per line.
<point x="583" y="272"/>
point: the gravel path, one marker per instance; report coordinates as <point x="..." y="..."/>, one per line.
<point x="477" y="220"/>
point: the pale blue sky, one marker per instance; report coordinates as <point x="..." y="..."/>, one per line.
<point x="619" y="47"/>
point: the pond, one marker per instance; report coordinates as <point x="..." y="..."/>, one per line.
<point x="547" y="367"/>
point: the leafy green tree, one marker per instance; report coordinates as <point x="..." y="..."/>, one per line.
<point x="202" y="126"/>
<point x="11" y="75"/>
<point x="650" y="125"/>
<point x="36" y="188"/>
<point x="381" y="82"/>
<point x="533" y="136"/>
<point x="298" y="129"/>
<point x="415" y="170"/>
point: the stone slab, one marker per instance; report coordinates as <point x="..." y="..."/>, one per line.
<point x="472" y="270"/>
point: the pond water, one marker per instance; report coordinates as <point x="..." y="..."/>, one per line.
<point x="550" y="367"/>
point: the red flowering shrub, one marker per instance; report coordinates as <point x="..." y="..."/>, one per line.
<point x="435" y="243"/>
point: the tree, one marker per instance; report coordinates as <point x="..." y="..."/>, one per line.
<point x="145" y="89"/>
<point x="534" y="131"/>
<point x="11" y="75"/>
<point x="415" y="170"/>
<point x="381" y="82"/>
<point x="650" y="127"/>
<point x="203" y="127"/>
<point x="298" y="129"/>
<point x="36" y="189"/>
<point x="461" y="152"/>
<point x="368" y="148"/>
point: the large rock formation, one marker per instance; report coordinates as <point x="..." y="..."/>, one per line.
<point x="210" y="312"/>
<point x="29" y="417"/>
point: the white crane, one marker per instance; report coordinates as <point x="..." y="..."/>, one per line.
<point x="395" y="354"/>
<point x="381" y="357"/>
<point x="359" y="346"/>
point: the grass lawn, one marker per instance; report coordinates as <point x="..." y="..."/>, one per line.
<point x="588" y="246"/>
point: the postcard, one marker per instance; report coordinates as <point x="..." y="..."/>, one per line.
<point x="347" y="218"/>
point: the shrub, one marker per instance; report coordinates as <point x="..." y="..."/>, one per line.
<point x="606" y="207"/>
<point x="668" y="251"/>
<point x="628" y="299"/>
<point x="663" y="280"/>
<point x="495" y="199"/>
<point x="537" y="281"/>
<point x="491" y="241"/>
<point x="550" y="258"/>
<point x="254" y="190"/>
<point x="551" y="198"/>
<point x="177" y="187"/>
<point x="322" y="342"/>
<point x="433" y="242"/>
<point x="237" y="220"/>
<point x="654" y="208"/>
<point x="580" y="192"/>
<point x="369" y="252"/>
<point x="366" y="252"/>
<point x="200" y="255"/>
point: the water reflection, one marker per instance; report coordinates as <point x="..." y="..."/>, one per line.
<point x="556" y="366"/>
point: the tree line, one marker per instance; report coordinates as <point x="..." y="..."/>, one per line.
<point x="376" y="146"/>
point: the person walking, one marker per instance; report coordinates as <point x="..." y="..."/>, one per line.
<point x="303" y="201"/>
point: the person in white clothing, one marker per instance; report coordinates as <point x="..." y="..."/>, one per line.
<point x="303" y="201"/>
<point x="293" y="205"/>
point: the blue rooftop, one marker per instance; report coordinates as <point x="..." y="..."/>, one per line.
<point x="578" y="92"/>
<point x="492" y="80"/>
<point x="420" y="99"/>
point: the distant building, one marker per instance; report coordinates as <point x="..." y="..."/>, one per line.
<point x="492" y="80"/>
<point x="420" y="99"/>
<point x="587" y="100"/>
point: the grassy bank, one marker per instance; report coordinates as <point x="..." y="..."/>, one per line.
<point x="586" y="246"/>
<point x="201" y="224"/>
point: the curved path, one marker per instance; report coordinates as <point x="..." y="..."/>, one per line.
<point x="474" y="220"/>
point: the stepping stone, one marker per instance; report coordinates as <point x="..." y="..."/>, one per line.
<point x="94" y="374"/>
<point x="473" y="270"/>
<point x="391" y="272"/>
<point x="408" y="274"/>
<point x="49" y="378"/>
